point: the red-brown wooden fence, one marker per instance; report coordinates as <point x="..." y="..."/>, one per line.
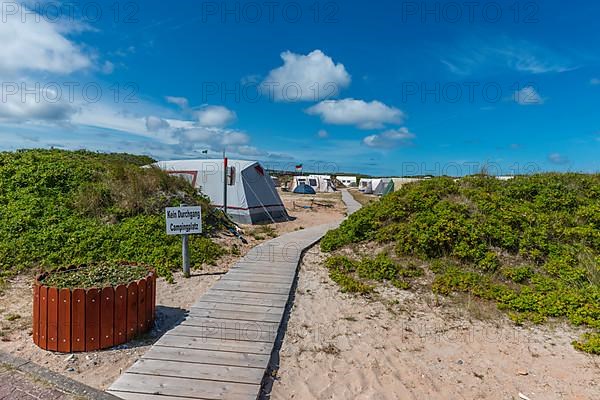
<point x="85" y="320"/>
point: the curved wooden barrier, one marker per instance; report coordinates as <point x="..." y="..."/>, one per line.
<point x="75" y="320"/>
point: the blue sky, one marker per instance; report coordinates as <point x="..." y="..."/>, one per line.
<point x="385" y="88"/>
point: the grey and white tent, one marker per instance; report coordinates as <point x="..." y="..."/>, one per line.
<point x="324" y="183"/>
<point x="320" y="183"/>
<point x="251" y="195"/>
<point x="366" y="185"/>
<point x="379" y="185"/>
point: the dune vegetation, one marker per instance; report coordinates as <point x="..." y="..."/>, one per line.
<point x="530" y="244"/>
<point x="72" y="207"/>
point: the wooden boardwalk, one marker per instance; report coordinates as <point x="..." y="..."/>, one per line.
<point x="351" y="204"/>
<point x="223" y="348"/>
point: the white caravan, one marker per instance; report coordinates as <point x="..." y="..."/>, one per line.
<point x="348" y="181"/>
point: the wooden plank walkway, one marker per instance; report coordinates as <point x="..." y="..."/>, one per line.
<point x="351" y="204"/>
<point x="223" y="348"/>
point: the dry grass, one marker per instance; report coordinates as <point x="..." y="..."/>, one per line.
<point x="129" y="190"/>
<point x="263" y="232"/>
<point x="363" y="198"/>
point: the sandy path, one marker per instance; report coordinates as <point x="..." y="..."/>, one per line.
<point x="408" y="345"/>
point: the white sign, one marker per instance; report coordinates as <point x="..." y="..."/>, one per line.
<point x="185" y="220"/>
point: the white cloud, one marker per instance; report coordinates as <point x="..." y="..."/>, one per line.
<point x="595" y="81"/>
<point x="155" y="124"/>
<point x="323" y="134"/>
<point x="557" y="158"/>
<point x="106" y="116"/>
<point x="177" y="136"/>
<point x="108" y="68"/>
<point x="148" y="121"/>
<point x="390" y="139"/>
<point x="214" y="138"/>
<point x="528" y="96"/>
<point x="36" y="44"/>
<point x="182" y="102"/>
<point x="371" y="115"/>
<point x="215" y="116"/>
<point x="502" y="53"/>
<point x="311" y="77"/>
<point x="43" y="105"/>
<point x="250" y="151"/>
<point x="123" y="52"/>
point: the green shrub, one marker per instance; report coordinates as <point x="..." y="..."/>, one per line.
<point x="343" y="269"/>
<point x="589" y="344"/>
<point x="489" y="263"/>
<point x="62" y="207"/>
<point x="549" y="224"/>
<point x="379" y="268"/>
<point x="358" y="228"/>
<point x="341" y="263"/>
<point x="348" y="284"/>
<point x="518" y="274"/>
<point x="96" y="276"/>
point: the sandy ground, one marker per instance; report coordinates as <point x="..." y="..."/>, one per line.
<point x="311" y="210"/>
<point x="412" y="345"/>
<point x="393" y="345"/>
<point x="361" y="197"/>
<point x="100" y="369"/>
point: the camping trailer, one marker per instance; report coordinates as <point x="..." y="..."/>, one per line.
<point x="251" y="196"/>
<point x="348" y="181"/>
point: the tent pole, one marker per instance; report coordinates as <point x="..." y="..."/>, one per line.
<point x="224" y="182"/>
<point x="185" y="252"/>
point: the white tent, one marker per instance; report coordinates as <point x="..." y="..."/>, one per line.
<point x="348" y="181"/>
<point x="366" y="185"/>
<point x="300" y="180"/>
<point x="324" y="183"/>
<point x="379" y="185"/>
<point x="251" y="195"/>
<point x="321" y="183"/>
<point x="375" y="185"/>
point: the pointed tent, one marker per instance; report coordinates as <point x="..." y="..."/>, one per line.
<point x="251" y="195"/>
<point x="380" y="185"/>
<point x="390" y="187"/>
<point x="303" y="188"/>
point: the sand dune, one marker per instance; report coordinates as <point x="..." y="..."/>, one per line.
<point x="409" y="345"/>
